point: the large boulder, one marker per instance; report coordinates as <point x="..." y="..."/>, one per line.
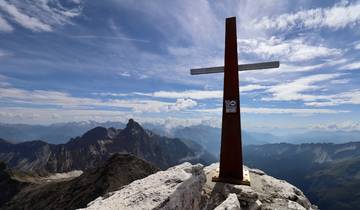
<point x="190" y="187"/>
<point x="231" y="203"/>
<point x="178" y="187"/>
<point x="265" y="192"/>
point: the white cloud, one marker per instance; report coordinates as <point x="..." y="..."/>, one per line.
<point x="23" y="19"/>
<point x="124" y="74"/>
<point x="111" y="94"/>
<point x="290" y="111"/>
<point x="252" y="87"/>
<point x="351" y="66"/>
<point x="294" y="90"/>
<point x="53" y="115"/>
<point x="55" y="98"/>
<point x="290" y="68"/>
<point x="194" y="94"/>
<point x="357" y="46"/>
<point x="118" y="37"/>
<point x="297" y="91"/>
<point x="38" y="15"/>
<point x="286" y="50"/>
<point x="3" y="53"/>
<point x="182" y="104"/>
<point x="3" y="82"/>
<point x="340" y="126"/>
<point x="348" y="97"/>
<point x="199" y="94"/>
<point x="5" y="26"/>
<point x="338" y="16"/>
<point x="262" y="110"/>
<point x="340" y="81"/>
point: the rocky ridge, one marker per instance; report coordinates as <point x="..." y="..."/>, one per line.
<point x="189" y="186"/>
<point x="327" y="173"/>
<point x="95" y="146"/>
<point x="119" y="170"/>
<point x="8" y="185"/>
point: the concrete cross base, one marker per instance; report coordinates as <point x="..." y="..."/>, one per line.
<point x="244" y="181"/>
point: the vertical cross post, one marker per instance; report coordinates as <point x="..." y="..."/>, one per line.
<point x="231" y="159"/>
<point x="231" y="162"/>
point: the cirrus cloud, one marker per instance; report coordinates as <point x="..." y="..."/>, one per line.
<point x="5" y="26"/>
<point x="338" y="16"/>
<point x="265" y="110"/>
<point x="286" y="50"/>
<point x="37" y="16"/>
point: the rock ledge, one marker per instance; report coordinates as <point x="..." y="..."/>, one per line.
<point x="189" y="186"/>
<point x="178" y="187"/>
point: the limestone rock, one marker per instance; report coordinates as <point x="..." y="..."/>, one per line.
<point x="178" y="187"/>
<point x="231" y="203"/>
<point x="265" y="192"/>
<point x="190" y="187"/>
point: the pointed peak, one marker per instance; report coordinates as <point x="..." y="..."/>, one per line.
<point x="132" y="125"/>
<point x="96" y="133"/>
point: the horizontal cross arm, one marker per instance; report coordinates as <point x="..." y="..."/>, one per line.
<point x="209" y="70"/>
<point x="255" y="66"/>
<point x="242" y="67"/>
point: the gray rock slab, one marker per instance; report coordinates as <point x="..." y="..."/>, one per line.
<point x="265" y="192"/>
<point x="177" y="188"/>
<point x="231" y="203"/>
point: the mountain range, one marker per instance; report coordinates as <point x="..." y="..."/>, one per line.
<point x="328" y="174"/>
<point x="57" y="133"/>
<point x="207" y="136"/>
<point x="96" y="146"/>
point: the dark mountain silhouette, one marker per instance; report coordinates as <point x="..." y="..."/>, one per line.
<point x="8" y="185"/>
<point x="95" y="147"/>
<point x="328" y="174"/>
<point x="119" y="170"/>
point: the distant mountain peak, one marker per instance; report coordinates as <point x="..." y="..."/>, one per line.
<point x="96" y="133"/>
<point x="133" y="127"/>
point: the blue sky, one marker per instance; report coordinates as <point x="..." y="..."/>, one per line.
<point x="78" y="60"/>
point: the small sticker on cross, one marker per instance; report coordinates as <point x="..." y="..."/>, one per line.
<point x="230" y="106"/>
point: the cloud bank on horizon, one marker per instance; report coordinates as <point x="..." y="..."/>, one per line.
<point x="74" y="60"/>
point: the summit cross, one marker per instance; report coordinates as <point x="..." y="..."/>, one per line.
<point x="231" y="158"/>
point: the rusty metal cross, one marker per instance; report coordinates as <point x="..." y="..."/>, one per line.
<point x="231" y="160"/>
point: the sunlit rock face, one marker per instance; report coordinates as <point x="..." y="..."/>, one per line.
<point x="189" y="186"/>
<point x="178" y="187"/>
<point x="231" y="203"/>
<point x="265" y="192"/>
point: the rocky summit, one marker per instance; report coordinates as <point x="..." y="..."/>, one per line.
<point x="188" y="186"/>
